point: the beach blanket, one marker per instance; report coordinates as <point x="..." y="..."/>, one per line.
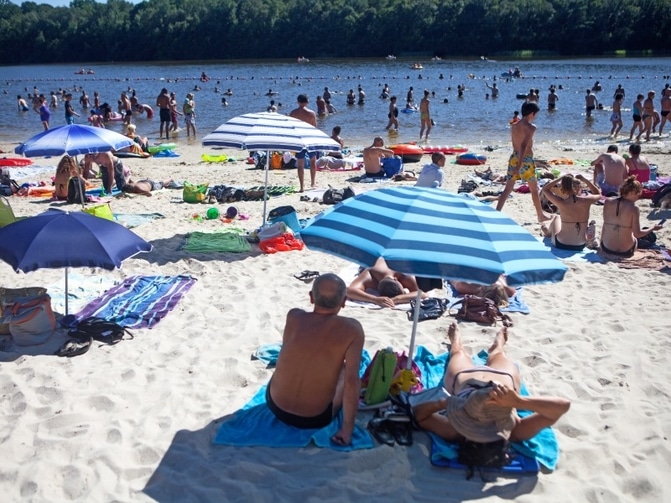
<point x="82" y="289"/>
<point x="584" y="255"/>
<point x="138" y="302"/>
<point x="515" y="303"/>
<point x="653" y="260"/>
<point x="255" y="425"/>
<point x="211" y="242"/>
<point x="131" y="220"/>
<point x="543" y="447"/>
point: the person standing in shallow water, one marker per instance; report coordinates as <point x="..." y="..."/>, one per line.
<point x="425" y="115"/>
<point x="393" y="114"/>
<point x="163" y="104"/>
<point x="302" y="112"/>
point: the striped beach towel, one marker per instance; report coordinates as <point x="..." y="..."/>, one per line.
<point x="138" y="302"/>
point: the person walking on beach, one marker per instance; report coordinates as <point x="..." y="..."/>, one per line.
<point x="126" y="108"/>
<point x="590" y="102"/>
<point x="424" y="116"/>
<point x="616" y="116"/>
<point x="637" y="116"/>
<point x="70" y="113"/>
<point x="317" y="371"/>
<point x="393" y="114"/>
<point x="302" y="112"/>
<point x="521" y="165"/>
<point x="163" y="104"/>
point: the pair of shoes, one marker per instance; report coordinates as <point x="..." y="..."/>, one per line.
<point x="305" y="198"/>
<point x="306" y="275"/>
<point x="389" y="432"/>
<point x="74" y="348"/>
<point x="406" y="402"/>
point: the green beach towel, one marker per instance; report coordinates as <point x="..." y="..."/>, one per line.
<point x="204" y="242"/>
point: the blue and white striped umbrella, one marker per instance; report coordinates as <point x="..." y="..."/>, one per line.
<point x="435" y="234"/>
<point x="270" y="131"/>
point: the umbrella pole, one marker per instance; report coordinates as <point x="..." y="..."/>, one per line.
<point x="66" y="291"/>
<point x="265" y="187"/>
<point x="415" y="321"/>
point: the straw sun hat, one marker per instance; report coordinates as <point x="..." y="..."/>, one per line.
<point x="479" y="420"/>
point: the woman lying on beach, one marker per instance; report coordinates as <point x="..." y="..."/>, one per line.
<point x="622" y="221"/>
<point x="499" y="291"/>
<point x="483" y="400"/>
<point x="568" y="229"/>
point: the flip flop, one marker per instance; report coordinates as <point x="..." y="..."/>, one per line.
<point x="402" y="432"/>
<point x="307" y="275"/>
<point x="74" y="348"/>
<point x="381" y="431"/>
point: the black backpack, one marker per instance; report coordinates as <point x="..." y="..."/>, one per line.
<point x="334" y="196"/>
<point x="483" y="455"/>
<point x="661" y="192"/>
<point x="99" y="329"/>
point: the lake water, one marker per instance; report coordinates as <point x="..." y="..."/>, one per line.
<point x="471" y="120"/>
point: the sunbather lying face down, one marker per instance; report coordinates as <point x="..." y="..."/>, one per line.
<point x="484" y="400"/>
<point x="317" y="370"/>
<point x="392" y="287"/>
<point x="144" y="187"/>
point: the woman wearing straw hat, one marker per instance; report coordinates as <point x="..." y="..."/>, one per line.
<point x="483" y="401"/>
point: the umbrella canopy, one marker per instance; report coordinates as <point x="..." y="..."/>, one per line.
<point x="73" y="139"/>
<point x="56" y="239"/>
<point x="268" y="131"/>
<point x="432" y="233"/>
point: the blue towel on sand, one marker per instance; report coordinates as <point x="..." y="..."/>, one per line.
<point x="543" y="447"/>
<point x="255" y="425"/>
<point x="585" y="255"/>
<point x="515" y="303"/>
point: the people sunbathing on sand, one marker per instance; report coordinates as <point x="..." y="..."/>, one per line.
<point x="483" y="400"/>
<point x="144" y="187"/>
<point x="317" y="371"/>
<point x="499" y="291"/>
<point x="382" y="286"/>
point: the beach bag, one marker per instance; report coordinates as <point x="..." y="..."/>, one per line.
<point x="194" y="193"/>
<point x="31" y="320"/>
<point x="276" y="161"/>
<point x="660" y="193"/>
<point x="408" y="380"/>
<point x="284" y="242"/>
<point x="483" y="455"/>
<point x="76" y="191"/>
<point x="480" y="310"/>
<point x="334" y="196"/>
<point x="392" y="166"/>
<point x="379" y="376"/>
<point x="100" y="211"/>
<point x="99" y="329"/>
<point x="10" y="295"/>
<point x="429" y="309"/>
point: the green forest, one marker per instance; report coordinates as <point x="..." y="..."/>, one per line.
<point x="169" y="30"/>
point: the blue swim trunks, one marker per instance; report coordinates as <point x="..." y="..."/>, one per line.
<point x="527" y="171"/>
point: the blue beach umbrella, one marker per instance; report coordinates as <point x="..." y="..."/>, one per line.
<point x="56" y="239"/>
<point x="73" y="139"/>
<point x="270" y="131"/>
<point x="432" y="233"/>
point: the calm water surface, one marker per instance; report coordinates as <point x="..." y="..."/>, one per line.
<point x="471" y="120"/>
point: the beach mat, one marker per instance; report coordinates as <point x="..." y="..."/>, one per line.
<point x="131" y="220"/>
<point x="515" y="303"/>
<point x="584" y="255"/>
<point x="519" y="464"/>
<point x="138" y="302"/>
<point x="213" y="242"/>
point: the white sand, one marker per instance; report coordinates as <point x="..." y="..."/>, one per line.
<point x="135" y="421"/>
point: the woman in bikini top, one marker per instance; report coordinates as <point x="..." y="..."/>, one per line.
<point x="567" y="229"/>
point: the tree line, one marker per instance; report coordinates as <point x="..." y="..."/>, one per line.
<point x="169" y="30"/>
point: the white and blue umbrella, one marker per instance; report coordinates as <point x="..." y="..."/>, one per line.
<point x="432" y="233"/>
<point x="270" y="131"/>
<point x="73" y="139"/>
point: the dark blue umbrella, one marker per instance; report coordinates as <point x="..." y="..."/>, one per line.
<point x="432" y="233"/>
<point x="56" y="239"/>
<point x="73" y="139"/>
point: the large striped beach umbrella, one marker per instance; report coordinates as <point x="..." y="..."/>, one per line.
<point x="432" y="233"/>
<point x="270" y="131"/>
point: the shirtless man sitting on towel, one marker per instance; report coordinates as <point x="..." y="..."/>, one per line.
<point x="392" y="287"/>
<point x="144" y="187"/>
<point x="317" y="370"/>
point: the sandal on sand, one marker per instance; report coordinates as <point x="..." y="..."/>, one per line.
<point x="381" y="431"/>
<point x="74" y="348"/>
<point x="307" y="275"/>
<point x="402" y="433"/>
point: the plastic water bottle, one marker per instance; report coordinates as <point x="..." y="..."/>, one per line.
<point x="653" y="172"/>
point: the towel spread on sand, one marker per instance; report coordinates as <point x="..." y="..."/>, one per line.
<point x="82" y="289"/>
<point x="138" y="302"/>
<point x="515" y="303"/>
<point x="131" y="220"/>
<point x="211" y="242"/>
<point x="584" y="255"/>
<point x="543" y="447"/>
<point x="652" y="259"/>
<point x="256" y="425"/>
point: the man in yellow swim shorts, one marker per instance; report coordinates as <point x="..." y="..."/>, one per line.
<point x="521" y="165"/>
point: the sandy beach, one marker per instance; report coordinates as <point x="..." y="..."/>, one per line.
<point x="135" y="421"/>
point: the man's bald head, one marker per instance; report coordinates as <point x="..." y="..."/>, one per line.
<point x="328" y="291"/>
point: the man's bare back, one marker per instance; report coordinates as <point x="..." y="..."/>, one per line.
<point x="372" y="156"/>
<point x="304" y="114"/>
<point x="614" y="168"/>
<point x="369" y="279"/>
